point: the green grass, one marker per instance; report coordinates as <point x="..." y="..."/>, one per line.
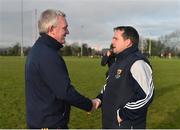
<point x="88" y="77"/>
<point x="165" y="110"/>
<point x="12" y="109"/>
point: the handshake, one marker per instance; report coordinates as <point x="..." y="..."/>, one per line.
<point x="95" y="104"/>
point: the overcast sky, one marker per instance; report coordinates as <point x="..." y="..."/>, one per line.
<point x="90" y="21"/>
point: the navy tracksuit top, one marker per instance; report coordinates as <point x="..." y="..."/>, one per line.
<point x="120" y="89"/>
<point x="49" y="92"/>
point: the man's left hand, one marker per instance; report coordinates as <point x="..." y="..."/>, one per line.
<point x="119" y="119"/>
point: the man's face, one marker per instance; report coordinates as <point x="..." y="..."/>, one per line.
<point x="119" y="43"/>
<point x="61" y="30"/>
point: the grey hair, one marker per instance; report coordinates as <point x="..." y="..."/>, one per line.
<point x="48" y="19"/>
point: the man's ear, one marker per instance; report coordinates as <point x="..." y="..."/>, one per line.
<point x="50" y="29"/>
<point x="128" y="43"/>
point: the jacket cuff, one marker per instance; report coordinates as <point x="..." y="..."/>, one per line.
<point x="99" y="97"/>
<point x="89" y="106"/>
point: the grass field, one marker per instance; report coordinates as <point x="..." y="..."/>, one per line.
<point x="88" y="78"/>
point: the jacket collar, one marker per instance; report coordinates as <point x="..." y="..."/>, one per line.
<point x="120" y="56"/>
<point x="50" y="41"/>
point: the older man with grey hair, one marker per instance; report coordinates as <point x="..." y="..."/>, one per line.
<point x="49" y="93"/>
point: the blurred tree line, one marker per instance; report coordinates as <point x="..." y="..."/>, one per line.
<point x="68" y="50"/>
<point x="14" y="51"/>
<point x="157" y="48"/>
<point x="166" y="45"/>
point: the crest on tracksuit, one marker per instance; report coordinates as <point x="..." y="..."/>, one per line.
<point x="118" y="73"/>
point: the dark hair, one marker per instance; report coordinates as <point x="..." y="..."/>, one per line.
<point x="129" y="33"/>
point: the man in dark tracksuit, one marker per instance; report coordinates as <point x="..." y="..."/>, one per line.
<point x="49" y="92"/>
<point x="129" y="89"/>
<point x="108" y="58"/>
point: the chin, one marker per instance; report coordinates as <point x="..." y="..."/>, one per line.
<point x="62" y="42"/>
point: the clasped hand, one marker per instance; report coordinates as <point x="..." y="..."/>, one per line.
<point x="95" y="104"/>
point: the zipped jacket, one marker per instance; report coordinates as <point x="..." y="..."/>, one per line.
<point x="49" y="93"/>
<point x="128" y="90"/>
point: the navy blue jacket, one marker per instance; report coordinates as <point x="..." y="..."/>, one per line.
<point x="122" y="94"/>
<point x="49" y="92"/>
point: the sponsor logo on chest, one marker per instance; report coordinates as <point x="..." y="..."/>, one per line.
<point x="118" y="73"/>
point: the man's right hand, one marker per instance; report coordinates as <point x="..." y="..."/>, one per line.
<point x="95" y="104"/>
<point x="108" y="53"/>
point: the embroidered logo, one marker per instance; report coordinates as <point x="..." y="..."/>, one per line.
<point x="118" y="73"/>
